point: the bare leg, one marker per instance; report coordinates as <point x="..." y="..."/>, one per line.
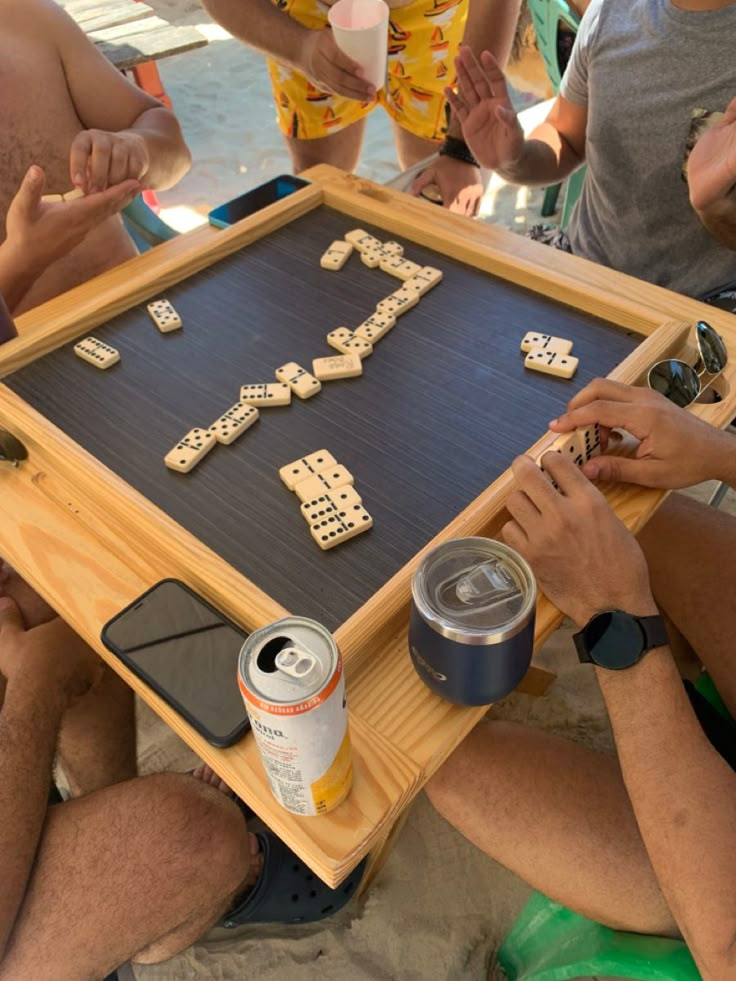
<point x="141" y="868"/>
<point x="410" y="149"/>
<point x="558" y="815"/>
<point x="97" y="740"/>
<point x="97" y="744"/>
<point x="691" y="551"/>
<point x="341" y="149"/>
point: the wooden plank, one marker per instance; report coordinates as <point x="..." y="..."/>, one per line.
<point x="65" y="526"/>
<point x="126" y="45"/>
<point x="453" y="365"/>
<point x="80" y="310"/>
<point x="94" y="15"/>
<point x="605" y="293"/>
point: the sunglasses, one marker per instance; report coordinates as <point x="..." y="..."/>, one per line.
<point x="680" y="382"/>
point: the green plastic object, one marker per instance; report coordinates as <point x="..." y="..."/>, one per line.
<point x="709" y="691"/>
<point x="546" y="16"/>
<point x="551" y="943"/>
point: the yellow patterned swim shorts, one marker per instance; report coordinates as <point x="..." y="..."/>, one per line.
<point x="424" y="37"/>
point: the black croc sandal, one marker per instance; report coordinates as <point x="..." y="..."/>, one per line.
<point x="289" y="892"/>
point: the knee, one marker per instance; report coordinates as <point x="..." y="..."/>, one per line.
<point x="205" y="830"/>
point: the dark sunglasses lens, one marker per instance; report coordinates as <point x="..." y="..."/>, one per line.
<point x="675" y="380"/>
<point x="712" y="349"/>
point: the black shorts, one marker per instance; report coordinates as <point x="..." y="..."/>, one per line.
<point x="721" y="732"/>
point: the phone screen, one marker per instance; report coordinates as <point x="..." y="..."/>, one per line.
<point x="186" y="651"/>
<point x="259" y="197"/>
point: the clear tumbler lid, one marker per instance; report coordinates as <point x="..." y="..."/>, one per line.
<point x="474" y="586"/>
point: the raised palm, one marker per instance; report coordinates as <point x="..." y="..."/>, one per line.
<point x="711" y="169"/>
<point x="483" y="108"/>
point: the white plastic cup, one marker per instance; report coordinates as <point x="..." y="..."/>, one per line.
<point x="360" y="29"/>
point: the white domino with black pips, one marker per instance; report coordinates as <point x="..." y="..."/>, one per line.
<point x="190" y="450"/>
<point x="266" y="395"/>
<point x="306" y="466"/>
<point x="535" y="341"/>
<point x="375" y="327"/>
<point x="164" y="316"/>
<point x="346" y="341"/>
<point x="234" y="422"/>
<point x="97" y="353"/>
<point x="551" y="363"/>
<point x="331" y="502"/>
<point x="341" y="527"/>
<point x="336" y="256"/>
<point x="303" y="384"/>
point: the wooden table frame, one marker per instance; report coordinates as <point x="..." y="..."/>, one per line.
<point x="90" y="543"/>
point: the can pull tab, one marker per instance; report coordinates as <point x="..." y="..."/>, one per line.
<point x="489" y="580"/>
<point x="296" y="663"/>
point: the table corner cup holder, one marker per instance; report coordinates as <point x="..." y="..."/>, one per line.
<point x="12" y="450"/>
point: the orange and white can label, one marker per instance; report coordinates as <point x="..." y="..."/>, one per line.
<point x="299" y="714"/>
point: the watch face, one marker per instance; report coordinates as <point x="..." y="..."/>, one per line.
<point x="615" y="640"/>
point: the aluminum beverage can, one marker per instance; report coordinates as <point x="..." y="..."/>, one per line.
<point x="471" y="634"/>
<point x="291" y="678"/>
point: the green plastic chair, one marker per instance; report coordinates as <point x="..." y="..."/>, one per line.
<point x="551" y="943"/>
<point x="546" y="16"/>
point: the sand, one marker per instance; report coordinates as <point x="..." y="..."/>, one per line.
<point x="439" y="909"/>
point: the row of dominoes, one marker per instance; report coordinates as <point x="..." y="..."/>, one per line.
<point x="388" y="256"/>
<point x="578" y="446"/>
<point x="71" y="195"/>
<point x="103" y="356"/>
<point x="331" y="505"/>
<point x="548" y="354"/>
<point x="198" y="442"/>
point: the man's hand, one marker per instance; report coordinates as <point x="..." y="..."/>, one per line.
<point x="711" y="169"/>
<point x="676" y="448"/>
<point x="459" y="184"/>
<point x="329" y="70"/>
<point x="51" y="652"/>
<point x="483" y="109"/>
<point x="98" y="160"/>
<point x="40" y="232"/>
<point x="582" y="556"/>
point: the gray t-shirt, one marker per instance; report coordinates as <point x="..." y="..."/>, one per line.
<point x="641" y="67"/>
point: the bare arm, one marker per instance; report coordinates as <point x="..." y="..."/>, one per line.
<point x="39" y="232"/>
<point x="554" y="149"/>
<point x="682" y="792"/>
<point x="490" y="26"/>
<point x="312" y="52"/>
<point x="262" y="26"/>
<point x="494" y="134"/>
<point x="106" y="102"/>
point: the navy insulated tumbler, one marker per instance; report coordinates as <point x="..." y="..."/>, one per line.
<point x="471" y="634"/>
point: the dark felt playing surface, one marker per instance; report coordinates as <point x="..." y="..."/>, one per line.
<point x="442" y="408"/>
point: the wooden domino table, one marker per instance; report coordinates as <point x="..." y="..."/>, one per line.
<point x="93" y="518"/>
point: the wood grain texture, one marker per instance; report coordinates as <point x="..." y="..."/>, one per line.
<point x="90" y="542"/>
<point x="443" y="406"/>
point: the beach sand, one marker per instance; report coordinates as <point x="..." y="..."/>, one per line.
<point x="439" y="909"/>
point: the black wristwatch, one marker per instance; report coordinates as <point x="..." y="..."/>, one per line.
<point x="451" y="146"/>
<point x="617" y="640"/>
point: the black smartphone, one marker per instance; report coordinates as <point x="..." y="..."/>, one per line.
<point x="251" y="201"/>
<point x="187" y="651"/>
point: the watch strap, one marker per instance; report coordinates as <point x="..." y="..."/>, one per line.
<point x="458" y="149"/>
<point x="655" y="631"/>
